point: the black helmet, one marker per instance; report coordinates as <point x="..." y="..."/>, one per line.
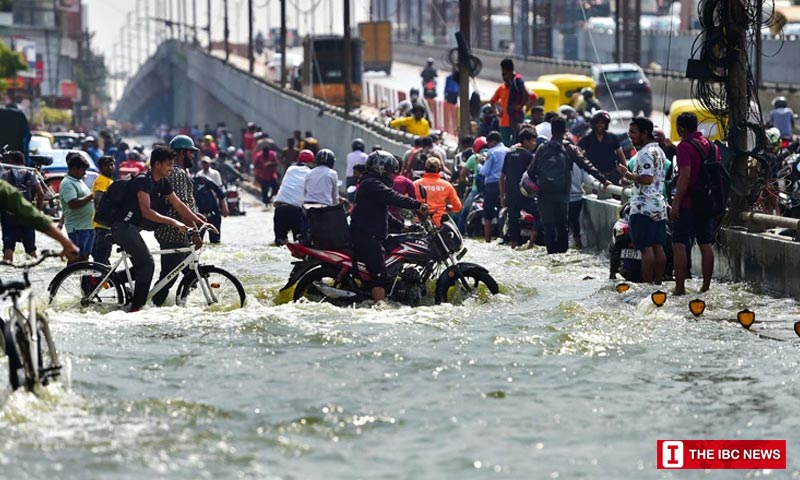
<point x="601" y="115"/>
<point x="413" y="91"/>
<point x="358" y="144"/>
<point x="779" y="102"/>
<point x="587" y="92"/>
<point x="325" y="157"/>
<point x="487" y="110"/>
<point x="382" y="164"/>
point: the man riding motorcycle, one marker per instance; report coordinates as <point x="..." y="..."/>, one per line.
<point x="429" y="75"/>
<point x="370" y="217"/>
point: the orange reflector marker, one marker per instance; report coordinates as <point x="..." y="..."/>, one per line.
<point x="697" y="307"/>
<point x="659" y="298"/>
<point x="622" y="287"/>
<point x="451" y="274"/>
<point x="797" y="328"/>
<point x="106" y="285"/>
<point x="746" y="317"/>
<point x="214" y="284"/>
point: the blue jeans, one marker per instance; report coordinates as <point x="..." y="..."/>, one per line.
<point x="462" y="219"/>
<point x="84" y="239"/>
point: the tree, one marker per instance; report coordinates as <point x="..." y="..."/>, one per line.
<point x="11" y="62"/>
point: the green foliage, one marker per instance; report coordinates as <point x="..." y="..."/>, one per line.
<point x="11" y="62"/>
<point x="5" y="5"/>
<point x="52" y="116"/>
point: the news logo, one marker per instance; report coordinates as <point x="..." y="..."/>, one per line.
<point x="721" y="454"/>
<point x="671" y="454"/>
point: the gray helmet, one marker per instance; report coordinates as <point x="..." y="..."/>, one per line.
<point x="382" y="164"/>
<point x="325" y="157"/>
<point x="358" y="144"/>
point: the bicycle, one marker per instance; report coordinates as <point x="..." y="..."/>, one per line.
<point x="26" y="338"/>
<point x="85" y="284"/>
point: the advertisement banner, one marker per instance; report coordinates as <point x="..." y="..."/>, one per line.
<point x="28" y="50"/>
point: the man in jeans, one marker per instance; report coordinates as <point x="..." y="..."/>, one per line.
<point x="28" y="185"/>
<point x="146" y="198"/>
<point x="687" y="224"/>
<point x="648" y="218"/>
<point x="491" y="171"/>
<point x="77" y="206"/>
<point x="551" y="169"/>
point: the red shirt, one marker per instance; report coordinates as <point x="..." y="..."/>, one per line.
<point x="248" y="141"/>
<point x="266" y="168"/>
<point x="403" y="186"/>
<point x="688" y="156"/>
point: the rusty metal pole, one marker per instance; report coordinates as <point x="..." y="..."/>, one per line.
<point x="348" y="62"/>
<point x="464" y="13"/>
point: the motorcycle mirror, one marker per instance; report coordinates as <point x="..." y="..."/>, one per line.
<point x="423" y="193"/>
<point x="351" y="189"/>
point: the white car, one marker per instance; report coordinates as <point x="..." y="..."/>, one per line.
<point x="39" y="144"/>
<point x="274" y="66"/>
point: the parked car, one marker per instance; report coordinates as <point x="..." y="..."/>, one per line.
<point x="67" y="139"/>
<point x="39" y="144"/>
<point x="293" y="61"/>
<point x="55" y="172"/>
<point x="628" y="83"/>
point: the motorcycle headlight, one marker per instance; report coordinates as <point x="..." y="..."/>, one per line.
<point x="450" y="234"/>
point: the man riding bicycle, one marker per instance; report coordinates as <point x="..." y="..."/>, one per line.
<point x="146" y="198"/>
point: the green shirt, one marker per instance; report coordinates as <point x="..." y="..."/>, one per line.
<point x="75" y="218"/>
<point x="12" y="201"/>
<point x="474" y="167"/>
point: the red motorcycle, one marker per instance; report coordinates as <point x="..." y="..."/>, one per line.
<point x="412" y="261"/>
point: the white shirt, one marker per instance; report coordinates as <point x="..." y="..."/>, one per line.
<point x="354" y="158"/>
<point x="212" y="175"/>
<point x="292" y="187"/>
<point x="649" y="199"/>
<point x="321" y="186"/>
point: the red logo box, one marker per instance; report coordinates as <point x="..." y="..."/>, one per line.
<point x="720" y="454"/>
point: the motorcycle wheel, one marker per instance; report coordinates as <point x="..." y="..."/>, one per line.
<point x="451" y="290"/>
<point x="326" y="275"/>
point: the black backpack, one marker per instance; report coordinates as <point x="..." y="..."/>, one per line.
<point x="553" y="168"/>
<point x="112" y="204"/>
<point x="710" y="194"/>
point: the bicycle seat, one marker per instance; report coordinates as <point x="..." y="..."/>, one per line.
<point x="12" y="286"/>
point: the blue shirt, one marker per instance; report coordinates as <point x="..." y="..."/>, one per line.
<point x="494" y="163"/>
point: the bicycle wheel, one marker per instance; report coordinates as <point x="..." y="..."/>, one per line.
<point x="71" y="287"/>
<point x="227" y="291"/>
<point x="49" y="368"/>
<point x="20" y="365"/>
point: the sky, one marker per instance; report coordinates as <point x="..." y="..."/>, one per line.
<point x="107" y="17"/>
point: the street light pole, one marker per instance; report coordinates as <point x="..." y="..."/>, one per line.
<point x="283" y="45"/>
<point x="250" y="56"/>
<point x="208" y="24"/>
<point x="138" y="33"/>
<point x="147" y="27"/>
<point x="464" y="7"/>
<point x="194" y="23"/>
<point x="348" y="62"/>
<point x="227" y="32"/>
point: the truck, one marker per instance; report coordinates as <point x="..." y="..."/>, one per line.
<point x="323" y="69"/>
<point x="377" y="38"/>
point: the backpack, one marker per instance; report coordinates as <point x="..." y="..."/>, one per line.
<point x="710" y="194"/>
<point x="23" y="183"/>
<point x="112" y="204"/>
<point x="553" y="168"/>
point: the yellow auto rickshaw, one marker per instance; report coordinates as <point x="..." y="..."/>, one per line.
<point x="547" y="93"/>
<point x="569" y="86"/>
<point x="706" y="122"/>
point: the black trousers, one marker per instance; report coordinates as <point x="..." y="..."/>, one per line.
<point x="515" y="204"/>
<point x="101" y="251"/>
<point x="575" y="217"/>
<point x="130" y="239"/>
<point x="554" y="210"/>
<point x="214" y="218"/>
<point x="168" y="262"/>
<point x="289" y="217"/>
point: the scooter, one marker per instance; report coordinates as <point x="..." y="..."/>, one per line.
<point x="526" y="226"/>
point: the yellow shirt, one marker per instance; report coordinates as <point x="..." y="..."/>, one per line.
<point x="413" y="126"/>
<point x="101" y="184"/>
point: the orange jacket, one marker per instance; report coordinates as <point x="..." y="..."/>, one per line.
<point x="441" y="193"/>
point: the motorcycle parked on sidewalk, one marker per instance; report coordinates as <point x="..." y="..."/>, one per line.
<point x="413" y="260"/>
<point x="624" y="258"/>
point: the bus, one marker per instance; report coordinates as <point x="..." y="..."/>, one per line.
<point x="323" y="69"/>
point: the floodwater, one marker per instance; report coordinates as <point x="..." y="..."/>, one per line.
<point x="558" y="376"/>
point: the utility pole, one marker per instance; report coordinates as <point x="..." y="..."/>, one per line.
<point x="147" y="39"/>
<point x="227" y="32"/>
<point x="736" y="88"/>
<point x="179" y="21"/>
<point x="169" y="17"/>
<point x="208" y="24"/>
<point x="129" y="25"/>
<point x="617" y="30"/>
<point x="523" y="27"/>
<point x="759" y="10"/>
<point x="419" y="22"/>
<point x="138" y="33"/>
<point x="195" y="41"/>
<point x="463" y="68"/>
<point x="250" y="55"/>
<point x="283" y="45"/>
<point x="348" y="62"/>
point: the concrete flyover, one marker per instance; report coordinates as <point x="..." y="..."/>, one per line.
<point x="181" y="85"/>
